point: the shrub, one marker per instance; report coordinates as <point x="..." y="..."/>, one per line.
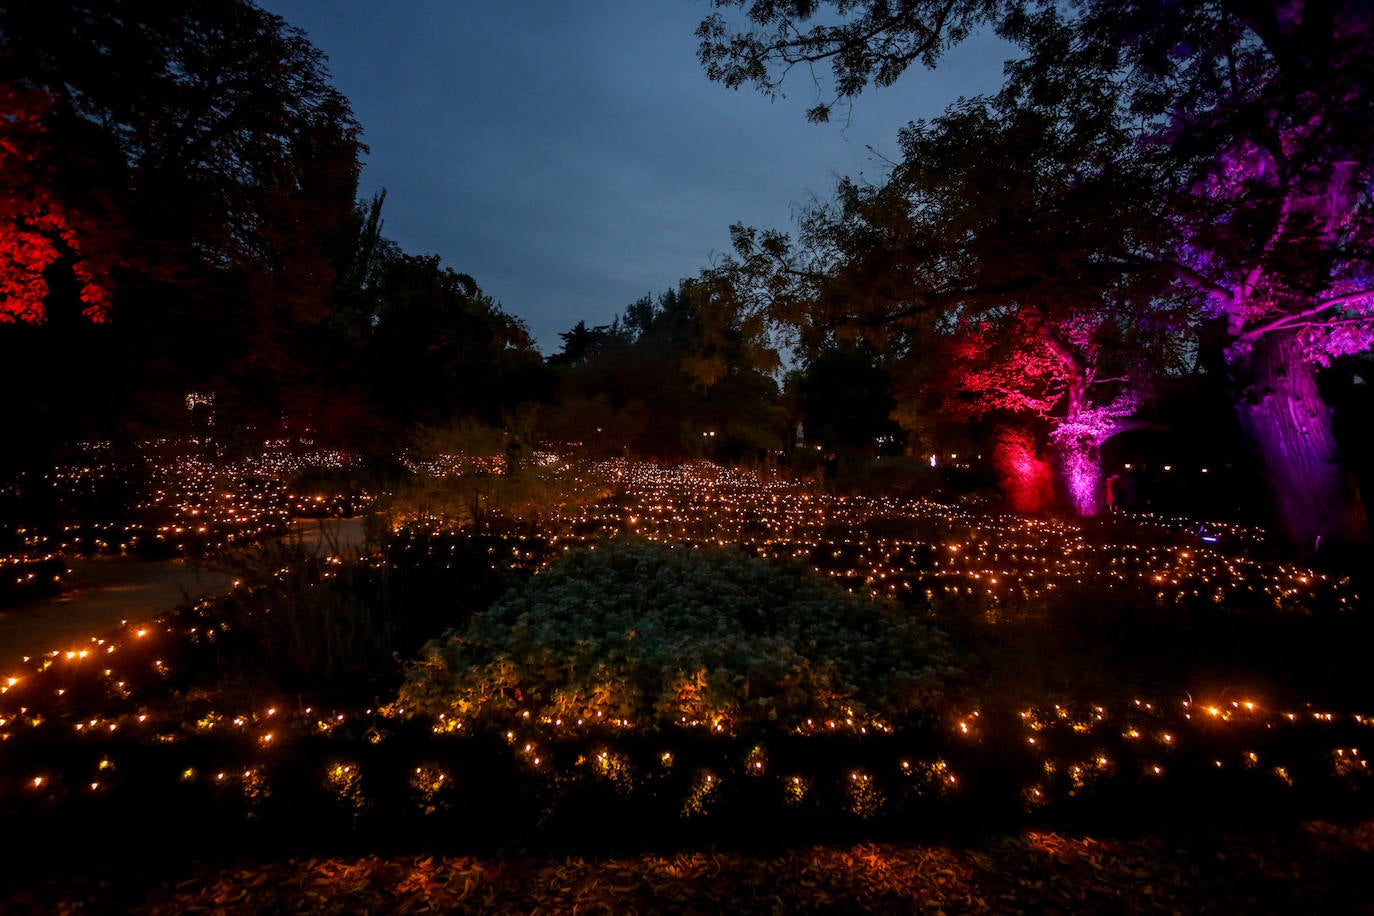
<point x="307" y="624"/>
<point x="487" y="501"/>
<point x="648" y="634"/>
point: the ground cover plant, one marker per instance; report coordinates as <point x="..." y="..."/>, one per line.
<point x="333" y="628"/>
<point x="645" y="635"/>
<point x="800" y="723"/>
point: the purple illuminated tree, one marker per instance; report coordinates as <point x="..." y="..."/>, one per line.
<point x="1261" y="117"/>
<point x="1251" y="120"/>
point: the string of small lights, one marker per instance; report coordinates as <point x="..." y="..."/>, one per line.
<point x="172" y="497"/>
<point x="1059" y="751"/>
<point x="99" y="699"/>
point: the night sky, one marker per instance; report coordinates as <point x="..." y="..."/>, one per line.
<point x="574" y="157"/>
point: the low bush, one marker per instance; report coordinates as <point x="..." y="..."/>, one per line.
<point x="652" y="635"/>
<point x="308" y="624"/>
<point x="486" y="501"/>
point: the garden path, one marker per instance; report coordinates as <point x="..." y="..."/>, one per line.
<point x="101" y="593"/>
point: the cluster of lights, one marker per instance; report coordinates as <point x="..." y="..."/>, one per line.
<point x="189" y="498"/>
<point x="455" y="465"/>
<point x="1004" y="561"/>
<point x="1144" y="743"/>
<point x="1074" y="747"/>
<point x="1074" y="744"/>
<point x="25" y="574"/>
<point x="1232" y="534"/>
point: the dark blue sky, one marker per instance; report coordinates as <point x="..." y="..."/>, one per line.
<point x="573" y="157"/>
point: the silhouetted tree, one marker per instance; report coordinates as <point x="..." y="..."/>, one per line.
<point x="860" y="41"/>
<point x="670" y="378"/>
<point x="845" y="397"/>
<point x="580" y="343"/>
<point x="438" y="347"/>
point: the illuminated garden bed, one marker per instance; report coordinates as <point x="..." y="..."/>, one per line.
<point x="171" y="498"/>
<point x="308" y="782"/>
<point x="184" y="724"/>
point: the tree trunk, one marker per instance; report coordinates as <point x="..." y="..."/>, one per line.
<point x="1080" y="473"/>
<point x="1022" y="474"/>
<point x="1315" y="501"/>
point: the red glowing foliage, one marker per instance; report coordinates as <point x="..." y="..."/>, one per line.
<point x="1001" y="364"/>
<point x="1061" y="371"/>
<point x="37" y="227"/>
<point x="1023" y="475"/>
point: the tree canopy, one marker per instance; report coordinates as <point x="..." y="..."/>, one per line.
<point x="1217" y="154"/>
<point x="863" y="42"/>
<point x="197" y="174"/>
<point x="188" y="174"/>
<point x="680" y="375"/>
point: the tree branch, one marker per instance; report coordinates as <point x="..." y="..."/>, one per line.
<point x="1299" y="318"/>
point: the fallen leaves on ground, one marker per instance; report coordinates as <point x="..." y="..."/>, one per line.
<point x="1318" y="868"/>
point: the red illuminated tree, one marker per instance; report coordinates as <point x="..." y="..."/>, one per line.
<point x="1254" y="121"/>
<point x="980" y="268"/>
<point x="39" y="230"/>
<point x="1045" y="373"/>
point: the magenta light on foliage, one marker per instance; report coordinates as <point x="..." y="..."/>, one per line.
<point x="1082" y="477"/>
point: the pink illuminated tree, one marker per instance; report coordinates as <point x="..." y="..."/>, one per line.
<point x="1251" y="122"/>
<point x="1052" y="373"/>
<point x="1256" y="120"/>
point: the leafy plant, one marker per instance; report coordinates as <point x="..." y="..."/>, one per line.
<point x="473" y="489"/>
<point x="646" y="634"/>
<point x="307" y="623"/>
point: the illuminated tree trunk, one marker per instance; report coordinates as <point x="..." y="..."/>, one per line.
<point x="1077" y="452"/>
<point x="1286" y="422"/>
<point x="1080" y="473"/>
<point x="1022" y="473"/>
